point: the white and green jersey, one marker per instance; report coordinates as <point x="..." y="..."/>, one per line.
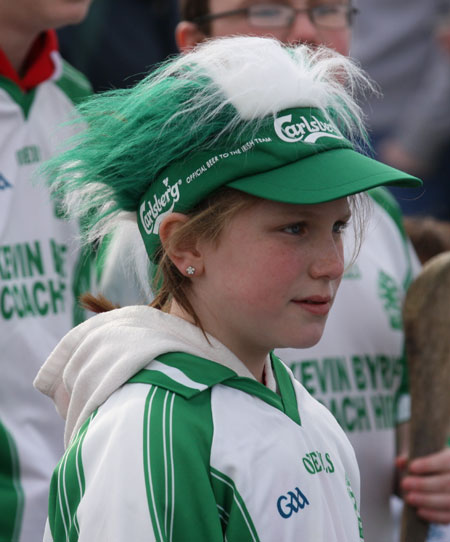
<point x="188" y="449"/>
<point x="39" y="265"/>
<point x="357" y="369"/>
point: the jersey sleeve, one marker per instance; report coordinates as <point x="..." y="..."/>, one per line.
<point x="138" y="471"/>
<point x="387" y="202"/>
<point x="177" y="472"/>
<point x="11" y="490"/>
<point x="74" y="84"/>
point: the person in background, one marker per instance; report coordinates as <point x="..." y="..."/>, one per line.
<point x="358" y="368"/>
<point x="428" y="235"/>
<point x="120" y="40"/>
<point x="40" y="264"/>
<point x="443" y="26"/>
<point x="398" y="45"/>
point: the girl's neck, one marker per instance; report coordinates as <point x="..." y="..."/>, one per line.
<point x="254" y="359"/>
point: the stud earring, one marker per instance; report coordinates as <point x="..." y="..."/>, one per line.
<point x="190" y="270"/>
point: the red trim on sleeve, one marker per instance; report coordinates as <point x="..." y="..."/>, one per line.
<point x="39" y="65"/>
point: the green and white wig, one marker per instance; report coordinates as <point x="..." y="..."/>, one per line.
<point x="159" y="146"/>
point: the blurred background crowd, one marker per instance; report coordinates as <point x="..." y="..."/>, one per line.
<point x="403" y="45"/>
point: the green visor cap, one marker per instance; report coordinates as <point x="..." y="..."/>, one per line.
<point x="299" y="157"/>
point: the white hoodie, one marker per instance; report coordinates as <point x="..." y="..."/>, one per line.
<point x="189" y="446"/>
<point x="97" y="357"/>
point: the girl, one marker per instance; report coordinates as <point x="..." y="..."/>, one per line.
<point x="238" y="165"/>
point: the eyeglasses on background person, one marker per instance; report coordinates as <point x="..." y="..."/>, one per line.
<point x="265" y="15"/>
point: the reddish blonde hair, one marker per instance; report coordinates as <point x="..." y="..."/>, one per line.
<point x="206" y="223"/>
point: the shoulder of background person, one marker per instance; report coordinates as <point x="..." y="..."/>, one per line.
<point x="388" y="203"/>
<point x="73" y="83"/>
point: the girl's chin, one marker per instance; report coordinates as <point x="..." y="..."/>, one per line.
<point x="305" y="340"/>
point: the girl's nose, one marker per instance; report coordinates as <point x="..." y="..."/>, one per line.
<point x="329" y="262"/>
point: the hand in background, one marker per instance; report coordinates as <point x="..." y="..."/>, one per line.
<point x="426" y="485"/>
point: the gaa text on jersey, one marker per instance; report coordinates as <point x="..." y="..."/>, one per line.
<point x="4" y="183"/>
<point x="291" y="503"/>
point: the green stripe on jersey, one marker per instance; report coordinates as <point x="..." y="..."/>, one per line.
<point x="23" y="99"/>
<point x="177" y="448"/>
<point x="286" y="401"/>
<point x="287" y="391"/>
<point x="11" y="492"/>
<point x="188" y="375"/>
<point x="281" y="402"/>
<point x="67" y="488"/>
<point x="196" y="368"/>
<point x="185" y="374"/>
<point x="74" y="84"/>
<point x="236" y="520"/>
<point x="165" y="382"/>
<point x="158" y="461"/>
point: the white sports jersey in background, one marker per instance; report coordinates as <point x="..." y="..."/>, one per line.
<point x="358" y="366"/>
<point x="39" y="265"/>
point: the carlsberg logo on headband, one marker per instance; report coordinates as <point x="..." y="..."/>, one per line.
<point x="293" y="135"/>
<point x="307" y="131"/>
<point x="152" y="212"/>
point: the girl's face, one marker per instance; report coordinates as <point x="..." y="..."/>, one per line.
<point x="272" y="277"/>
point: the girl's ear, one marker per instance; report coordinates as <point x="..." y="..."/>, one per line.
<point x="183" y="253"/>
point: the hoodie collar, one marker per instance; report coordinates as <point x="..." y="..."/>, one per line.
<point x="97" y="357"/>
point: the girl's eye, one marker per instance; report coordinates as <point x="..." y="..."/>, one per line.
<point x="340" y="227"/>
<point x="295" y="229"/>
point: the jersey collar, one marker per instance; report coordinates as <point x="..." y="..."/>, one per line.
<point x="41" y="63"/>
<point x="188" y="376"/>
